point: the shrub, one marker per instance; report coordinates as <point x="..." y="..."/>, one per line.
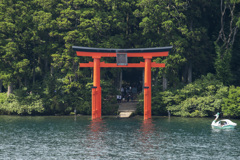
<point x="198" y="99"/>
<point x="231" y="103"/>
<point x="13" y="105"/>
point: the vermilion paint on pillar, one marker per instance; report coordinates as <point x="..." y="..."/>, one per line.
<point x="96" y="105"/>
<point x="147" y="89"/>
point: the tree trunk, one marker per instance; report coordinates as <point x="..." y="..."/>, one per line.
<point x="33" y="75"/>
<point x="190" y="72"/>
<point x="0" y="86"/>
<point x="75" y="66"/>
<point x="10" y="89"/>
<point x="120" y="80"/>
<point x="52" y="70"/>
<point x="91" y="74"/>
<point x="46" y="66"/>
<point x="25" y="81"/>
<point x="184" y="75"/>
<point x="164" y="82"/>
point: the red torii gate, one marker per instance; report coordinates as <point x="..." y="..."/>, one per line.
<point x="97" y="53"/>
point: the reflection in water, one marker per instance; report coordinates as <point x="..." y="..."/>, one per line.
<point x="147" y="130"/>
<point x="97" y="126"/>
<point x="169" y="118"/>
<point x="215" y="130"/>
<point x="147" y="127"/>
<point x="96" y="140"/>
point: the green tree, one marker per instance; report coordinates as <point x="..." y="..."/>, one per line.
<point x="14" y="22"/>
<point x="177" y="23"/>
<point x="230" y="22"/>
<point x="231" y="104"/>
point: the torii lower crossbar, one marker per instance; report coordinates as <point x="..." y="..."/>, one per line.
<point x="130" y="65"/>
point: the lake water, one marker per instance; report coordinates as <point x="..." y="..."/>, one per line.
<point x="112" y="138"/>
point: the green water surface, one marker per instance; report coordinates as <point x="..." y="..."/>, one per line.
<point x="111" y="138"/>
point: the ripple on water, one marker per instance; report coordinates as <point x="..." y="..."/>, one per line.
<point x="110" y="138"/>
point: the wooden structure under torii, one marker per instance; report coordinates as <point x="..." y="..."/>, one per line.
<point x="121" y="56"/>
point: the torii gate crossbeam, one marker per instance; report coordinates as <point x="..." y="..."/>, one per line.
<point x="97" y="53"/>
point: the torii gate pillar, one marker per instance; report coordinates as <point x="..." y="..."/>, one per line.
<point x="147" y="89"/>
<point x="97" y="53"/>
<point x="96" y="90"/>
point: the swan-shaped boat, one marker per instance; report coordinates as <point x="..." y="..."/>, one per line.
<point x="222" y="124"/>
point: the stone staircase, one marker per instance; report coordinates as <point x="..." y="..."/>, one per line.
<point x="126" y="109"/>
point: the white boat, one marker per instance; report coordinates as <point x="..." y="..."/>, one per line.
<point x="222" y="124"/>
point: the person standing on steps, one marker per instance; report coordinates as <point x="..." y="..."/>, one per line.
<point x="128" y="97"/>
<point x="120" y="98"/>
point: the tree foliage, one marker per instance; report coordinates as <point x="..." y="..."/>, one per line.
<point x="36" y="56"/>
<point x="231" y="106"/>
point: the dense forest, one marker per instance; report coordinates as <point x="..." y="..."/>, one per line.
<point x="40" y="74"/>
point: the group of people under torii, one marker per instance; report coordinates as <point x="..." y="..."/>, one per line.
<point x="127" y="94"/>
